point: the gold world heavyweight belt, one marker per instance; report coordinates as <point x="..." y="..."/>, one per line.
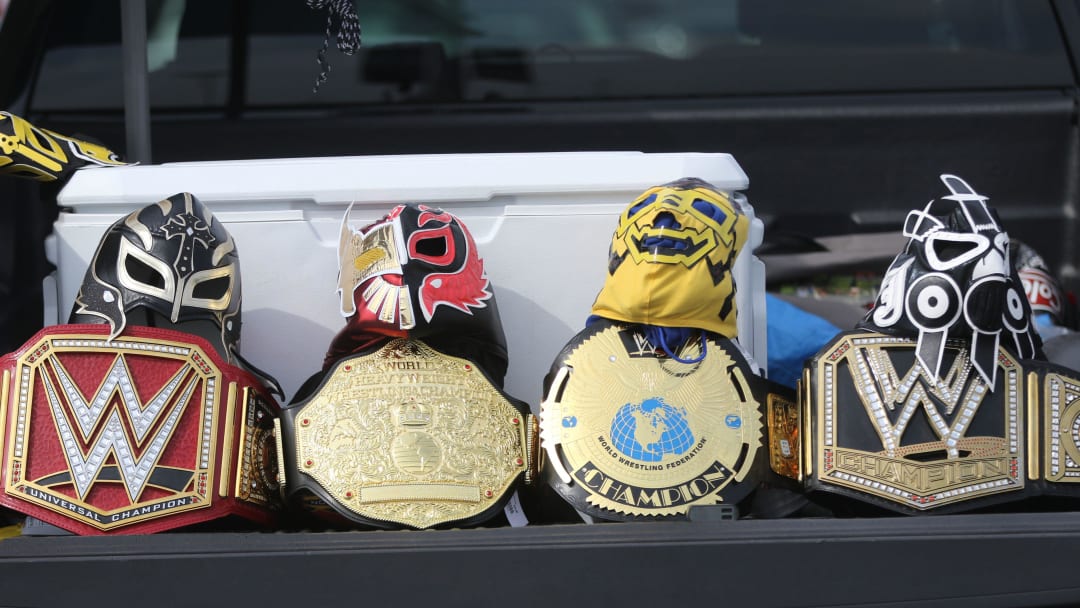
<point x="407" y="436"/>
<point x="630" y="434"/>
<point x="146" y="432"/>
<point x="879" y="428"/>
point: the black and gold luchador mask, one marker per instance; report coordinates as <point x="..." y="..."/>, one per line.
<point x="45" y="156"/>
<point x="172" y="259"/>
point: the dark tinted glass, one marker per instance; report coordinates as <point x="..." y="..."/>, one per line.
<point x="425" y="51"/>
<point x="187" y="54"/>
<point x="490" y="50"/>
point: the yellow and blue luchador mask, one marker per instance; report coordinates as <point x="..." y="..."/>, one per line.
<point x="671" y="259"/>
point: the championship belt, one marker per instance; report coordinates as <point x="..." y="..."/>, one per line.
<point x="631" y="434"/>
<point x="883" y="430"/>
<point x="145" y="432"/>
<point x="940" y="401"/>
<point x="407" y="436"/>
<point x="1056" y="441"/>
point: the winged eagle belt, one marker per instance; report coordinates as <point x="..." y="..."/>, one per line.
<point x="879" y="429"/>
<point x="147" y="432"/>
<point x="407" y="436"/>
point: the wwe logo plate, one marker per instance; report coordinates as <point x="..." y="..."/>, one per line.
<point x="110" y="434"/>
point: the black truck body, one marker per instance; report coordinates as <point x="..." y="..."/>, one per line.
<point x="843" y="124"/>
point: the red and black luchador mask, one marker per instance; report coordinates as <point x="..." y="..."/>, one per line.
<point x="168" y="264"/>
<point x="1044" y="292"/>
<point x="416" y="273"/>
<point x="955" y="279"/>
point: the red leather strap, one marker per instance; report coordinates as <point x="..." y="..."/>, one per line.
<point x="147" y="432"/>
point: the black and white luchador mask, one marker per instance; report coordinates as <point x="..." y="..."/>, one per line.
<point x="954" y="279"/>
<point x="172" y="258"/>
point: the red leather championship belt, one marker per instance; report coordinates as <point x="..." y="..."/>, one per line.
<point x="145" y="432"/>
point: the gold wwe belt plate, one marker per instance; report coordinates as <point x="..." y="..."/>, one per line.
<point x="647" y="435"/>
<point x="410" y="435"/>
<point x="872" y="381"/>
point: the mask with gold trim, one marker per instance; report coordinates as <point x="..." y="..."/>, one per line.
<point x="43" y="155"/>
<point x="171" y="263"/>
<point x="143" y="420"/>
<point x="671" y="259"/>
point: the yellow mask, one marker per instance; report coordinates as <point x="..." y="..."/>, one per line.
<point x="671" y="259"/>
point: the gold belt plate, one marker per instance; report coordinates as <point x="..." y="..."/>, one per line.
<point x="785" y="439"/>
<point x="1061" y="430"/>
<point x="861" y="375"/>
<point x="643" y="435"/>
<point x="409" y="435"/>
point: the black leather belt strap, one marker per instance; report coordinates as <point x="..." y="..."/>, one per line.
<point x="880" y="429"/>
<point x="405" y="436"/>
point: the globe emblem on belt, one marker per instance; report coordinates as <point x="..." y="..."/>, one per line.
<point x="415" y="451"/>
<point x="648" y="430"/>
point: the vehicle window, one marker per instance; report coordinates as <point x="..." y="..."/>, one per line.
<point x="491" y="50"/>
<point x="471" y="51"/>
<point x="188" y="56"/>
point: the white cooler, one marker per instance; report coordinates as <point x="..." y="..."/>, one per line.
<point x="542" y="222"/>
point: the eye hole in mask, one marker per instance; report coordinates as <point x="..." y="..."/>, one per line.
<point x="709" y="210"/>
<point x="212" y="289"/>
<point x="434" y="247"/>
<point x="632" y="211"/>
<point x="945" y="251"/>
<point x="140" y="271"/>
